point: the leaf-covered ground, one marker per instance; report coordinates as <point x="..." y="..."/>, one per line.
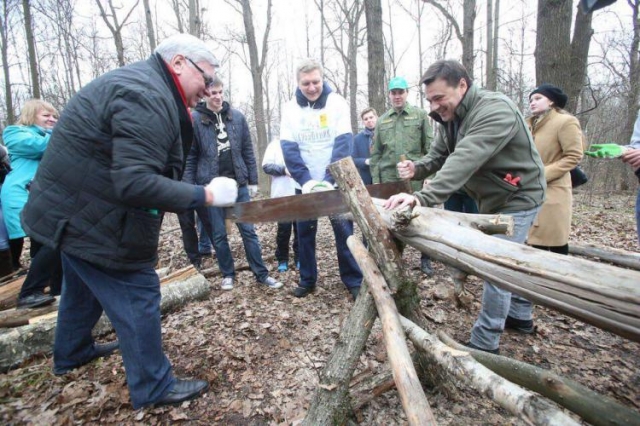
<point x="262" y="349"/>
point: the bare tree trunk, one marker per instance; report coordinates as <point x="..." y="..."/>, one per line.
<point x="4" y="38"/>
<point x="469" y="19"/>
<point x="494" y="49"/>
<point x="634" y="72"/>
<point x="489" y="55"/>
<point x="193" y="18"/>
<point x="256" y="66"/>
<point x="582" y="34"/>
<point x="375" y="55"/>
<point x="559" y="60"/>
<point x="151" y="35"/>
<point x="31" y="45"/>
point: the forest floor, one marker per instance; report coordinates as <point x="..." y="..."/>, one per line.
<point x="262" y="350"/>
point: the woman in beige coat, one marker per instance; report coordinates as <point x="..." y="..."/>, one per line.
<point x="558" y="137"/>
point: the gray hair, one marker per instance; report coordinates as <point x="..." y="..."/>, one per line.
<point x="308" y="65"/>
<point x="187" y="45"/>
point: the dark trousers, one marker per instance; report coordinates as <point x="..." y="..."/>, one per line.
<point x="282" y="241"/>
<point x="459" y="202"/>
<point x="554" y="249"/>
<point x="131" y="300"/>
<point x="190" y="239"/>
<point x="15" y="246"/>
<point x="349" y="270"/>
<point x="45" y="271"/>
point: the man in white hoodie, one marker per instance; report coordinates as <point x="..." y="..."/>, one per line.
<point x="315" y="131"/>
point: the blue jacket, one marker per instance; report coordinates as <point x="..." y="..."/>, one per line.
<point x="362" y="151"/>
<point x="26" y="145"/>
<point x="202" y="162"/>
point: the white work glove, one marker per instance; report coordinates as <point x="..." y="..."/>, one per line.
<point x="253" y="190"/>
<point x="315" y="186"/>
<point x="224" y="190"/>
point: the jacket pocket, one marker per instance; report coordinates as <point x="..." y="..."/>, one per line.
<point x="140" y="234"/>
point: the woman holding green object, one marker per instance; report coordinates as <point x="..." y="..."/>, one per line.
<point x="558" y="137"/>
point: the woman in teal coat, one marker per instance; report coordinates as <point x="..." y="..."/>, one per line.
<point x="26" y="142"/>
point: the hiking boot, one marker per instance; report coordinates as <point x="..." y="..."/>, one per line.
<point x="470" y="345"/>
<point x="521" y="326"/>
<point x="283" y="267"/>
<point x="35" y="300"/>
<point x="303" y="291"/>
<point x="425" y="267"/>
<point x="272" y="283"/>
<point x="227" y="283"/>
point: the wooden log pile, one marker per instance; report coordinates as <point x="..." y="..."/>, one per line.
<point x="600" y="294"/>
<point x="33" y="330"/>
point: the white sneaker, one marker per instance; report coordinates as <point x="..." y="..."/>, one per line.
<point x="272" y="283"/>
<point x="227" y="283"/>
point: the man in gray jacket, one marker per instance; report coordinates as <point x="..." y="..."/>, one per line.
<point x="483" y="146"/>
<point x="113" y="166"/>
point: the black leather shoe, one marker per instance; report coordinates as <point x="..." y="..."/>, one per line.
<point x="521" y="326"/>
<point x="303" y="291"/>
<point x="35" y="300"/>
<point x="355" y="291"/>
<point x="495" y="351"/>
<point x="183" y="390"/>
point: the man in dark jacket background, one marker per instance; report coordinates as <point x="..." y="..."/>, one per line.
<point x="362" y="143"/>
<point x="113" y="167"/>
<point x="222" y="147"/>
<point x="482" y="145"/>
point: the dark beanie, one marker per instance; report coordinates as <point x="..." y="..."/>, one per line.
<point x="553" y="93"/>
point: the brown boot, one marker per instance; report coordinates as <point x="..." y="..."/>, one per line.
<point x="6" y="266"/>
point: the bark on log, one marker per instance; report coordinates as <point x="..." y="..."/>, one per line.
<point x="16" y="318"/>
<point x="520" y="402"/>
<point x="599" y="410"/>
<point x="599" y="294"/>
<point x="9" y="293"/>
<point x="414" y="401"/>
<point x="369" y="389"/>
<point x="617" y="257"/>
<point x="20" y="343"/>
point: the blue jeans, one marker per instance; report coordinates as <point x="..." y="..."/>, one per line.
<point x="131" y="300"/>
<point x="497" y="304"/>
<point x="213" y="222"/>
<point x="349" y="270"/>
<point x="204" y="243"/>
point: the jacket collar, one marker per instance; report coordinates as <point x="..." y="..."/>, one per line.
<point x="320" y="103"/>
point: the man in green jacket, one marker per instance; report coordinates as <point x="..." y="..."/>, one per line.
<point x="402" y="132"/>
<point x="483" y="146"/>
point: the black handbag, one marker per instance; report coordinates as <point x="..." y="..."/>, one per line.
<point x="578" y="177"/>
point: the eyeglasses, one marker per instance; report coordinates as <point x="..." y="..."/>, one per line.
<point x="208" y="80"/>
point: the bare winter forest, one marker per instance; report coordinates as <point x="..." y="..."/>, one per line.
<point x="263" y="351"/>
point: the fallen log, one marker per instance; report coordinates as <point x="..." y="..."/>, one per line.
<point x="9" y="293"/>
<point x="414" y="401"/>
<point x="21" y="343"/>
<point x="529" y="407"/>
<point x="16" y="318"/>
<point x="599" y="410"/>
<point x="616" y="256"/>
<point x="599" y="294"/>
